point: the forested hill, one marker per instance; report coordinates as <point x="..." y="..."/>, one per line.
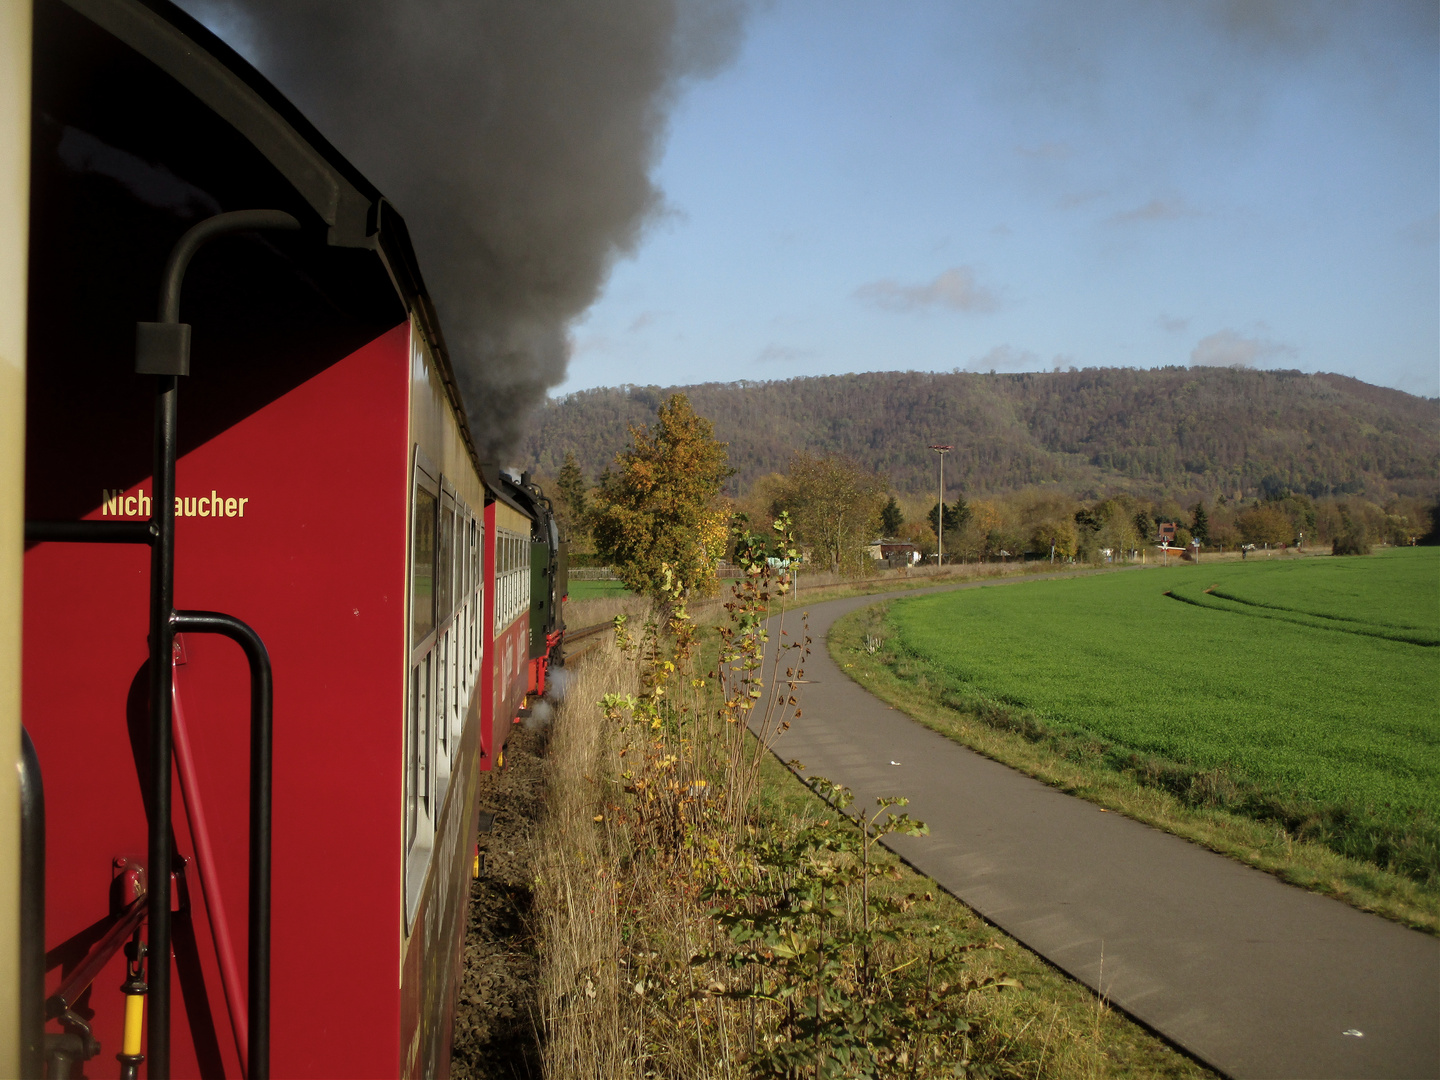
<point x="1207" y="430"/>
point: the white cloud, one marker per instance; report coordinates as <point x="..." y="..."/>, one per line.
<point x="1226" y="348"/>
<point x="1155" y="210"/>
<point x="955" y="289"/>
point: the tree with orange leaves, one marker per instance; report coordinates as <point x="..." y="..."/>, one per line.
<point x="657" y="517"/>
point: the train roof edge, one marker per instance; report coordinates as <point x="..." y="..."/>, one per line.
<point x="357" y="214"/>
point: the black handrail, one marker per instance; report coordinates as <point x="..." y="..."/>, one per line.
<point x="32" y="912"/>
<point x="167" y="355"/>
<point x="262" y="691"/>
<point x="90" y="532"/>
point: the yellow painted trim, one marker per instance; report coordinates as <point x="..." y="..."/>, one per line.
<point x="15" y="49"/>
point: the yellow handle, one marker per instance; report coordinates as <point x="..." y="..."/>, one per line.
<point x="134" y="1022"/>
<point x="475" y="869"/>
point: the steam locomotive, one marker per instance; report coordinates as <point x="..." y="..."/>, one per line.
<point x="279" y="614"/>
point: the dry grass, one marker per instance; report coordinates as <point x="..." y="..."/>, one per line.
<point x="587" y="1031"/>
<point x="601" y="609"/>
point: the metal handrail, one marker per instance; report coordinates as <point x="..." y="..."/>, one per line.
<point x="167" y="368"/>
<point x="90" y="532"/>
<point x="32" y="912"/>
<point x="262" y="699"/>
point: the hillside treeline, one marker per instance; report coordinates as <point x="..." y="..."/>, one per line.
<point x="1176" y="433"/>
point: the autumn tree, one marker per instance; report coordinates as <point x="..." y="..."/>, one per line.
<point x="836" y="505"/>
<point x="1265" y="524"/>
<point x="574" y="498"/>
<point x="659" y="511"/>
<point x="973" y="540"/>
<point x="1058" y="536"/>
<point x="1117" y="532"/>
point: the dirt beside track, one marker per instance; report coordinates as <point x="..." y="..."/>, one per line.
<point x="496" y="1023"/>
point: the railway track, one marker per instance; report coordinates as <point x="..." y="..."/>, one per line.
<point x="588" y="634"/>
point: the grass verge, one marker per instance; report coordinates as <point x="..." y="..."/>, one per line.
<point x="1149" y="789"/>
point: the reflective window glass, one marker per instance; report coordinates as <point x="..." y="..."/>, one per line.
<point x="412" y="757"/>
<point x="423" y="714"/>
<point x="445" y="577"/>
<point x="422" y="567"/>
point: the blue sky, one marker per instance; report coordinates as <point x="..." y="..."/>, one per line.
<point x="1016" y="186"/>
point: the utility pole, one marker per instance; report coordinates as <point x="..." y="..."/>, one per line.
<point x="942" y="449"/>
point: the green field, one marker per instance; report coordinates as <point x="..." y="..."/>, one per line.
<point x="1304" y="690"/>
<point x="589" y="590"/>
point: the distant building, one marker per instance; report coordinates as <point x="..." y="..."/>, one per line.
<point x="894" y="555"/>
<point x="1167" y="533"/>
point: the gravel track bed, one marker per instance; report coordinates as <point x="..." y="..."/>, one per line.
<point x="496" y="1020"/>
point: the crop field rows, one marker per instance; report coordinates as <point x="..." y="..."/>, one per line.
<point x="1300" y="691"/>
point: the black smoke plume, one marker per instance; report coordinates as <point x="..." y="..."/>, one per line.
<point x="516" y="136"/>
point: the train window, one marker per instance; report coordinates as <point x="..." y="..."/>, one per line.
<point x="442" y="692"/>
<point x="423" y="716"/>
<point x="422" y="563"/>
<point x="455" y="680"/>
<point x="419" y="800"/>
<point x="445" y="578"/>
<point x="462" y="556"/>
<point x="411" y="757"/>
<point x="457" y="547"/>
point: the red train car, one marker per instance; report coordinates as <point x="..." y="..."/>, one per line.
<point x="327" y="499"/>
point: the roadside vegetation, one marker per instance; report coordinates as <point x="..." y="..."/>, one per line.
<point x="704" y="913"/>
<point x="1282" y="712"/>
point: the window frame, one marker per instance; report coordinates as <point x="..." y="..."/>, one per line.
<point x="420" y="793"/>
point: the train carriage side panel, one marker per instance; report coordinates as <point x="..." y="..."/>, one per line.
<point x="488" y="681"/>
<point x="276" y="527"/>
<point x="510" y="641"/>
<point x="444" y="650"/>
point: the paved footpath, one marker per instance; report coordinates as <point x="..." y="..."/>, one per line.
<point x="1253" y="977"/>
